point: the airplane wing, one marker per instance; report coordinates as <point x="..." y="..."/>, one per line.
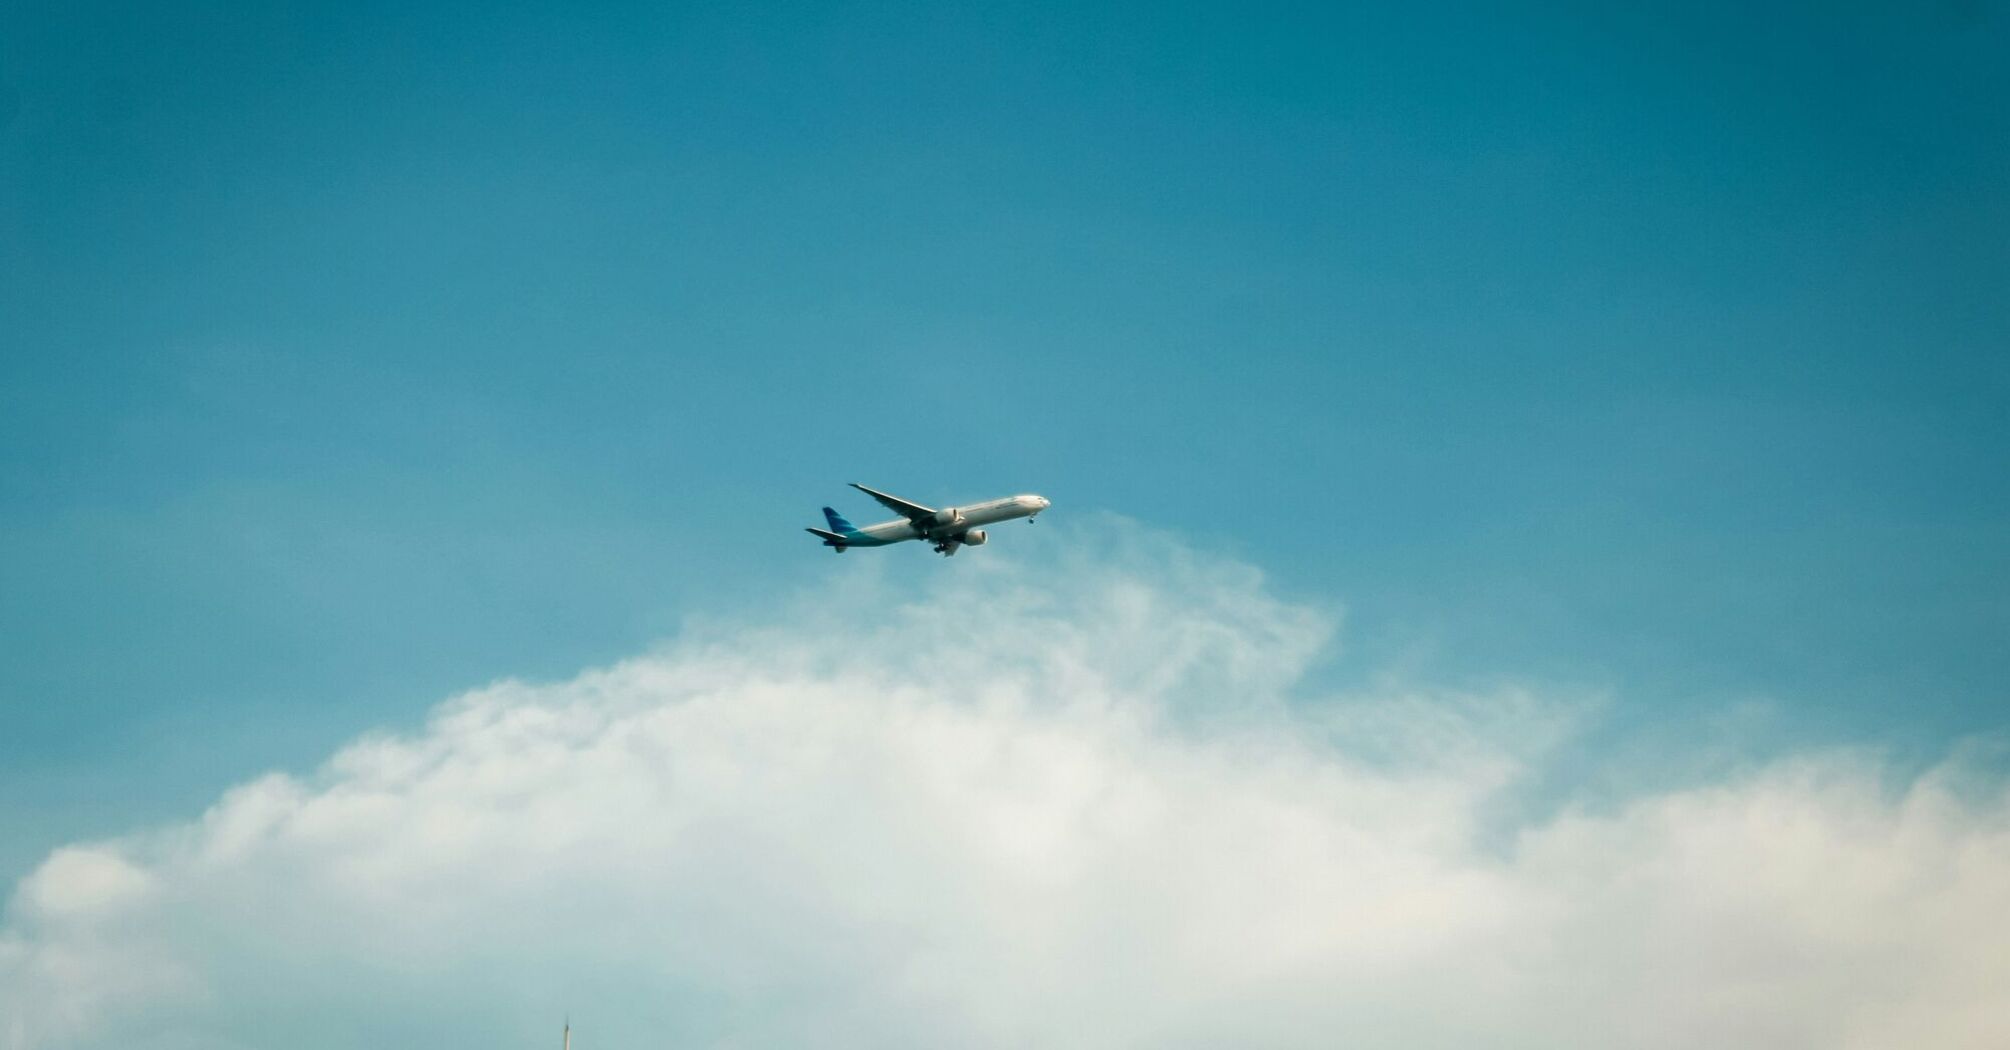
<point x="910" y="511"/>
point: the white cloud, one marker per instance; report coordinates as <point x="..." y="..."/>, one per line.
<point x="82" y="881"/>
<point x="1060" y="804"/>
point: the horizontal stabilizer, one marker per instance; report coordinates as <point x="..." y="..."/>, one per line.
<point x="830" y="538"/>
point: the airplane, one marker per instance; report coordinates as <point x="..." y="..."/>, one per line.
<point x="948" y="528"/>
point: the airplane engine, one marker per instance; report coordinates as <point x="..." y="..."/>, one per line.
<point x="949" y="516"/>
<point x="974" y="538"/>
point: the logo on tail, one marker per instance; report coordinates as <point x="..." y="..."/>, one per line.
<point x="837" y="522"/>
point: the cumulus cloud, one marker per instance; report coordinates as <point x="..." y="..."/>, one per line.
<point x="1044" y="800"/>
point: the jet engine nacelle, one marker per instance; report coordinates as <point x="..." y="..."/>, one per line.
<point x="974" y="538"/>
<point x="949" y="516"/>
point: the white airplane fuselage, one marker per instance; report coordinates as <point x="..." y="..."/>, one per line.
<point x="976" y="514"/>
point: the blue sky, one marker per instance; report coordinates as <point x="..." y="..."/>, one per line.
<point x="354" y="355"/>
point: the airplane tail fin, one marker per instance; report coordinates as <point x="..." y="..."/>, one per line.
<point x="837" y="522"/>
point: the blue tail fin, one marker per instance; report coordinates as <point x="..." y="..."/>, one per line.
<point x="838" y="524"/>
